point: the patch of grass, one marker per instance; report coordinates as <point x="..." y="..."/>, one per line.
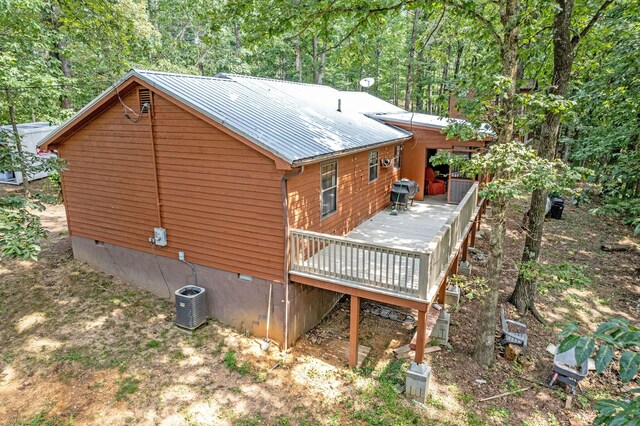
<point x="43" y="418"/>
<point x="494" y="411"/>
<point x="472" y="419"/>
<point x="218" y="349"/>
<point x="230" y="361"/>
<point x="177" y="355"/>
<point x="435" y="402"/>
<point x="127" y="386"/>
<point x="152" y="344"/>
<point x="252" y="420"/>
<point x="381" y="402"/>
<point x="281" y="421"/>
<point x="465" y="398"/>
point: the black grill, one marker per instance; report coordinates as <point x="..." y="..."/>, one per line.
<point x="403" y="192"/>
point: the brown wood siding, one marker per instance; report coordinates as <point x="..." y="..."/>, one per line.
<point x="220" y="200"/>
<point x="415" y="151"/>
<point x="358" y="199"/>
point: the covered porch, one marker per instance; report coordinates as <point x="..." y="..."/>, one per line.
<point x="401" y="259"/>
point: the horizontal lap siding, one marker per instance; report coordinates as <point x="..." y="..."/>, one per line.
<point x="108" y="184"/>
<point x="220" y="199"/>
<point x="358" y="199"/>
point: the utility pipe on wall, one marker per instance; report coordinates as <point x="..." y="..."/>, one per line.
<point x="285" y="208"/>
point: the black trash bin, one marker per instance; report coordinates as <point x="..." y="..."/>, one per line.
<point x="557" y="206"/>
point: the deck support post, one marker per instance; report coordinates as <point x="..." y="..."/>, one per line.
<point x="421" y="337"/>
<point x="442" y="291"/>
<point x="474" y="227"/>
<point x="454" y="266"/>
<point x="465" y="249"/>
<point x="354" y="319"/>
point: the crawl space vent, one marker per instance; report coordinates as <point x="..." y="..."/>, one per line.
<point x="144" y="96"/>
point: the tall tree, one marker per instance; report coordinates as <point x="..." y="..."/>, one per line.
<point x="565" y="42"/>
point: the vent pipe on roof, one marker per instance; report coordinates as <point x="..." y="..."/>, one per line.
<point x="339" y="105"/>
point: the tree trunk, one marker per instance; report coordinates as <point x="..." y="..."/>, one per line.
<point x="412" y="52"/>
<point x="524" y="293"/>
<point x="18" y="142"/>
<point x="483" y="351"/>
<point x="314" y="57"/>
<point x="323" y="58"/>
<point x="419" y="72"/>
<point x="484" y="348"/>
<point x="298" y="59"/>
<point x="236" y="35"/>
<point x="58" y="53"/>
<point x="445" y="74"/>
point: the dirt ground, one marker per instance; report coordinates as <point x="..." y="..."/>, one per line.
<point x="78" y="346"/>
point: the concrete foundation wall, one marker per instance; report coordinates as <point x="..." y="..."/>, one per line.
<point x="308" y="306"/>
<point x="237" y="302"/>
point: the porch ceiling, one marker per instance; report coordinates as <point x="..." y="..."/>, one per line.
<point x="413" y="229"/>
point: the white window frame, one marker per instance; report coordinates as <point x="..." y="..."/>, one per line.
<point x="397" y="157"/>
<point x="323" y="214"/>
<point x="372" y="165"/>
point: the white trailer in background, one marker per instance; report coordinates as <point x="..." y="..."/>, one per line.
<point x="31" y="134"/>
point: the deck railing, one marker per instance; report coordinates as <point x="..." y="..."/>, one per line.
<point x="447" y="242"/>
<point x="392" y="270"/>
<point x="367" y="264"/>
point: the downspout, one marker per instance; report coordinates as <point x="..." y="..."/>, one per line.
<point x="285" y="208"/>
<point x="155" y="165"/>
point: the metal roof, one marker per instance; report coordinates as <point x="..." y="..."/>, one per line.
<point x="26" y="128"/>
<point x="426" y="120"/>
<point x="297" y="122"/>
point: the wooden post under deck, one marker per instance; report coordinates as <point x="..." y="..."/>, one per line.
<point x="454" y="266"/>
<point x="354" y="319"/>
<point x="465" y="249"/>
<point x="442" y="291"/>
<point x="473" y="233"/>
<point x="421" y="337"/>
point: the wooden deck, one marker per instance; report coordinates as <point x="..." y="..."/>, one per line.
<point x="402" y="255"/>
<point x="401" y="259"/>
<point x="412" y="229"/>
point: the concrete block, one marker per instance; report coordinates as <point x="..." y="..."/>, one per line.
<point x="440" y="331"/>
<point x="464" y="268"/>
<point x="417" y="384"/>
<point x="452" y="295"/>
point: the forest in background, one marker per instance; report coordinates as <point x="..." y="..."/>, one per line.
<point x="56" y="56"/>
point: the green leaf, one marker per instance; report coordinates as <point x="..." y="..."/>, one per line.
<point x="568" y="343"/>
<point x="584" y="348"/>
<point x="607" y="326"/>
<point x="603" y="357"/>
<point x="568" y="329"/>
<point x="629" y="363"/>
<point x="629" y="338"/>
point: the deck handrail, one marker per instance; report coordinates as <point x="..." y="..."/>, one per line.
<point x="392" y="269"/>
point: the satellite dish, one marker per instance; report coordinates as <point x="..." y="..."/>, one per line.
<point x="367" y="82"/>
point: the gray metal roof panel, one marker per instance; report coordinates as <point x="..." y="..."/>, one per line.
<point x="294" y="121"/>
<point x="426" y="120"/>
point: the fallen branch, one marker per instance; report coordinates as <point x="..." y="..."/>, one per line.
<point x="617" y="247"/>
<point x="504" y="394"/>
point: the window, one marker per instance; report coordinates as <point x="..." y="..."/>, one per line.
<point x="329" y="188"/>
<point x="397" y="157"/>
<point x="373" y="165"/>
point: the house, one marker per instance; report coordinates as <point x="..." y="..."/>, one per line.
<point x="31" y="135"/>
<point x="269" y="188"/>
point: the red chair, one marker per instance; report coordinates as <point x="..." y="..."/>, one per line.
<point x="434" y="186"/>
